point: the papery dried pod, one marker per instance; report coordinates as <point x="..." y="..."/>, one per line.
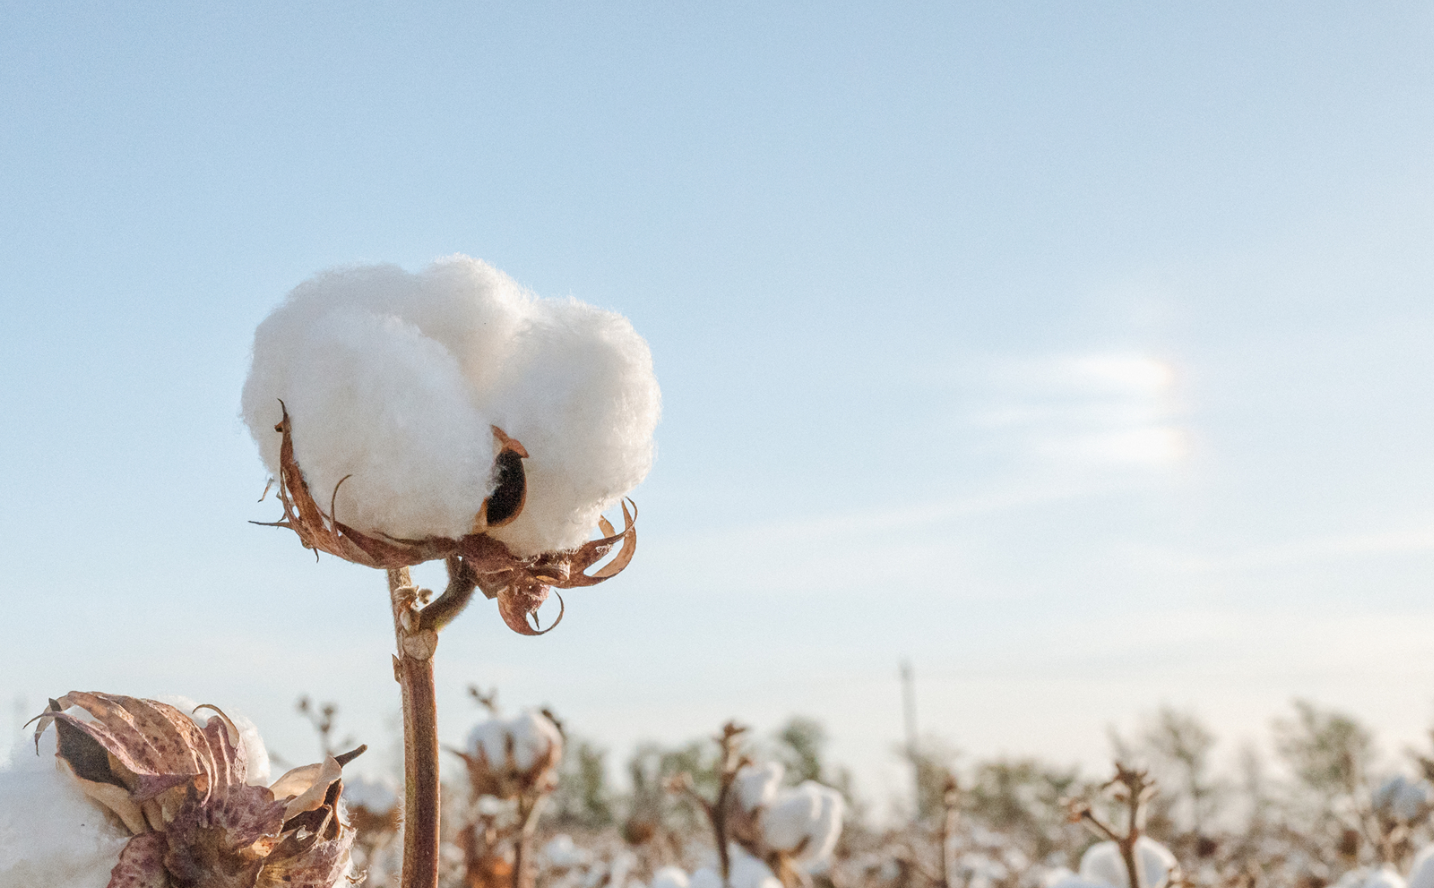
<point x="181" y="791"/>
<point x="520" y="585"/>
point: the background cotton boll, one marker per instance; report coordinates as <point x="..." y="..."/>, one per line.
<point x="805" y="821"/>
<point x="1370" y="877"/>
<point x="1064" y="878"/>
<point x="757" y="786"/>
<point x="1102" y="863"/>
<point x="50" y="834"/>
<point x="670" y="877"/>
<point x="746" y="872"/>
<point x="1401" y="797"/>
<point x="581" y="396"/>
<point x="530" y="736"/>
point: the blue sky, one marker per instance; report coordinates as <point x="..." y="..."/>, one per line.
<point x="1077" y="352"/>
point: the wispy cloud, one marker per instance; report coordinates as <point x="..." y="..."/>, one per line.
<point x="1110" y="409"/>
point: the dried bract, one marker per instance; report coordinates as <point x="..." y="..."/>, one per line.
<point x="180" y="791"/>
<point x="520" y="585"/>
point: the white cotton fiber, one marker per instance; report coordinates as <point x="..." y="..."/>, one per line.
<point x="1102" y="863"/>
<point x="670" y="877"/>
<point x="1421" y="871"/>
<point x="50" y="834"/>
<point x="395" y="379"/>
<point x="746" y="872"/>
<point x="530" y="735"/>
<point x="757" y="786"/>
<point x="808" y="818"/>
<point x="1371" y="877"/>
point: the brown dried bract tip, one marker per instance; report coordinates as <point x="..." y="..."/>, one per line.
<point x="180" y="791"/>
<point x="520" y="585"/>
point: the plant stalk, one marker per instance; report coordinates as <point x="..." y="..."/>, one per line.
<point x="413" y="669"/>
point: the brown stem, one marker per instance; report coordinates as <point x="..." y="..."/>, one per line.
<point x="413" y="669"/>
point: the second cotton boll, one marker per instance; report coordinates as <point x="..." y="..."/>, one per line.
<point x="393" y="383"/>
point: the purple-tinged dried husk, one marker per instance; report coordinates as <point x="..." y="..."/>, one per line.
<point x="180" y="790"/>
<point x="520" y="585"/>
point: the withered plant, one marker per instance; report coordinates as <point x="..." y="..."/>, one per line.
<point x="475" y="561"/>
<point x="1132" y="789"/>
<point x="181" y="792"/>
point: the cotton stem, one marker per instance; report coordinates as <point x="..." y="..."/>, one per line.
<point x="413" y="669"/>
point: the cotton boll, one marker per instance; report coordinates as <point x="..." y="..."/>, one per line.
<point x="50" y="834"/>
<point x="805" y="821"/>
<point x="1370" y="877"/>
<point x="746" y="872"/>
<point x="757" y="786"/>
<point x="1102" y="863"/>
<point x="670" y="877"/>
<point x="1401" y="798"/>
<point x="1064" y="878"/>
<point x="395" y="379"/>
<point x="530" y="736"/>
<point x="256" y="755"/>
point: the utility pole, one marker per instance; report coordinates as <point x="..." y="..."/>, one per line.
<point x="908" y="707"/>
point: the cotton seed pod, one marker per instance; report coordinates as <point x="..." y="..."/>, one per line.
<point x="179" y="791"/>
<point x="509" y="758"/>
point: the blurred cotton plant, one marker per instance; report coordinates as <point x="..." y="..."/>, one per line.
<point x="512" y="767"/>
<point x="764" y="833"/>
<point x="1126" y="858"/>
<point x="451" y="415"/>
<point x="134" y="793"/>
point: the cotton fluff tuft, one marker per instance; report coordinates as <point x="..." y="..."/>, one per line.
<point x="757" y="785"/>
<point x="746" y="872"/>
<point x="804" y="821"/>
<point x="1401" y="797"/>
<point x="395" y="379"/>
<point x="1064" y="878"/>
<point x="530" y="735"/>
<point x="670" y="877"/>
<point x="50" y="834"/>
<point x="1370" y="877"/>
<point x="1102" y="863"/>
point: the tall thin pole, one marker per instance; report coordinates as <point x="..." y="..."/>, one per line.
<point x="908" y="708"/>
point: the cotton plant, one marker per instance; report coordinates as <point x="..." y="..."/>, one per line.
<point x="512" y="766"/>
<point x="788" y="831"/>
<point x="451" y="415"/>
<point x="133" y="793"/>
<point x="1127" y="858"/>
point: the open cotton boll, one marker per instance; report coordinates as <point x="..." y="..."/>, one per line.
<point x="395" y="379"/>
<point x="50" y="834"/>
<point x="1401" y="798"/>
<point x="1064" y="878"/>
<point x="670" y="877"/>
<point x="804" y="821"/>
<point x="1154" y="863"/>
<point x="1370" y="877"/>
<point x="530" y="737"/>
<point x="746" y="872"/>
<point x="757" y="786"/>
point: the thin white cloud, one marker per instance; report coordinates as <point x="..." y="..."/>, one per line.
<point x="1095" y="409"/>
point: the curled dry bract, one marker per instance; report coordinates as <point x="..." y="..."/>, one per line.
<point x="520" y="585"/>
<point x="180" y="791"/>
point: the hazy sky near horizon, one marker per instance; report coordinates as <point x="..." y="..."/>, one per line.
<point x="1078" y="353"/>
